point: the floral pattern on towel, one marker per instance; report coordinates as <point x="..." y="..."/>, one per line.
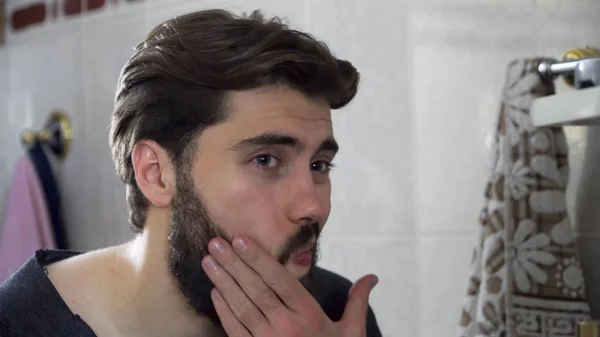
<point x="525" y="279"/>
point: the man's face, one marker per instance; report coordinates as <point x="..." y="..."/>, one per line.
<point x="264" y="173"/>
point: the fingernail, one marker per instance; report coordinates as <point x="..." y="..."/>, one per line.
<point x="374" y="283"/>
<point x="210" y="263"/>
<point x="217" y="294"/>
<point x="239" y="244"/>
<point x="217" y="247"/>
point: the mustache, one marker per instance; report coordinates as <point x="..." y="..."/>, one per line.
<point x="298" y="240"/>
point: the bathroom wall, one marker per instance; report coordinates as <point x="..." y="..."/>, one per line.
<point x="409" y="182"/>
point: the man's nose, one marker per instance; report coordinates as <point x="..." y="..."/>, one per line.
<point x="307" y="201"/>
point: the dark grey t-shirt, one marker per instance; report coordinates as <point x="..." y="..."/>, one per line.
<point x="31" y="306"/>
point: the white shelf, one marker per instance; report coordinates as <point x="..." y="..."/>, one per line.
<point x="577" y="107"/>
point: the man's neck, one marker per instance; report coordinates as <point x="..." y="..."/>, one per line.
<point x="155" y="305"/>
<point x="128" y="290"/>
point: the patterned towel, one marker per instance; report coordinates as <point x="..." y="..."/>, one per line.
<point x="525" y="279"/>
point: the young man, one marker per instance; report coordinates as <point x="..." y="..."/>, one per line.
<point x="222" y="134"/>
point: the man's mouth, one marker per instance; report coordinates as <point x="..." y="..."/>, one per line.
<point x="304" y="256"/>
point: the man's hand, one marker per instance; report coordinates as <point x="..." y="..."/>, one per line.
<point x="257" y="296"/>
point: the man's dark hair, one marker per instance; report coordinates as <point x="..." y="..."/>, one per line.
<point x="176" y="83"/>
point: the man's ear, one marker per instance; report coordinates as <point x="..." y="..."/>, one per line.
<point x="154" y="172"/>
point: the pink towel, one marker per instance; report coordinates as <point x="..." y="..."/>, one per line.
<point x="26" y="226"/>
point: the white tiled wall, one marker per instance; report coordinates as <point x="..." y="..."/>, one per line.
<point x="415" y="143"/>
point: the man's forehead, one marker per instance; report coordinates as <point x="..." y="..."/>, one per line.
<point x="269" y="117"/>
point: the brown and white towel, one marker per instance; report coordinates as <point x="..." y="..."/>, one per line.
<point x="526" y="280"/>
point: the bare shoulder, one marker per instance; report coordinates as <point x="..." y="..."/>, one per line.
<point x="79" y="278"/>
<point x="78" y="267"/>
<point x="76" y="262"/>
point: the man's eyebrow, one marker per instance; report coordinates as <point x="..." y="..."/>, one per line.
<point x="330" y="145"/>
<point x="269" y="139"/>
<point x="272" y="139"/>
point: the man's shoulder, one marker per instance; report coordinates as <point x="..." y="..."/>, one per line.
<point x="331" y="291"/>
<point x="18" y="296"/>
<point x="13" y="290"/>
<point x="31" y="306"/>
<point x="30" y="284"/>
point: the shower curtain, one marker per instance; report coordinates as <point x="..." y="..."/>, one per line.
<point x="525" y="280"/>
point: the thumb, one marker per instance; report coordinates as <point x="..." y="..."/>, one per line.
<point x="355" y="313"/>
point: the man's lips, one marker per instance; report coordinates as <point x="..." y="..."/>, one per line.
<point x="309" y="247"/>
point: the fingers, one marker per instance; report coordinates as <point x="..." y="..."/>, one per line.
<point x="255" y="289"/>
<point x="276" y="276"/>
<point x="355" y="313"/>
<point x="240" y="305"/>
<point x="233" y="327"/>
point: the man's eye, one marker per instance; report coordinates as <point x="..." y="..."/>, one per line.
<point x="265" y="160"/>
<point x="321" y="166"/>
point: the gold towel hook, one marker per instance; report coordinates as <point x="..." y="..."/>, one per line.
<point x="57" y="134"/>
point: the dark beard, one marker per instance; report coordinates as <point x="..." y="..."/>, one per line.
<point x="191" y="231"/>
